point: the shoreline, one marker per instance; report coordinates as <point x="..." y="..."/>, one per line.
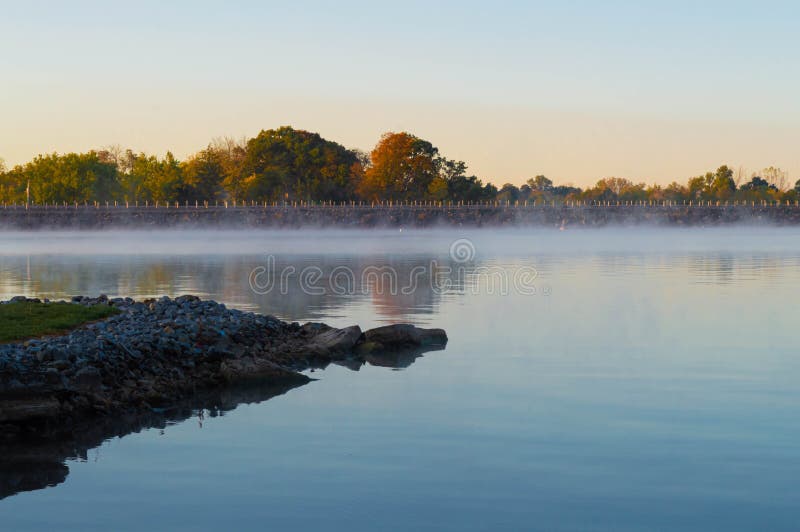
<point x="156" y="353"/>
<point x="419" y="216"/>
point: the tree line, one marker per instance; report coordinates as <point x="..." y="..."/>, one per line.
<point x="287" y="164"/>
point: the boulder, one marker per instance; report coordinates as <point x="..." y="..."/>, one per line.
<point x="335" y="341"/>
<point x="403" y="336"/>
<point x="30" y="408"/>
<point x="88" y="379"/>
<point x="249" y="369"/>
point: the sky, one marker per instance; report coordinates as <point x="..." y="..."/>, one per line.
<point x="575" y="90"/>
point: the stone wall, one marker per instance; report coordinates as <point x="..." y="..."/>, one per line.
<point x="102" y="217"/>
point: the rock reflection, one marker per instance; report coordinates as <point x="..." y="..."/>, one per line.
<point x="399" y="359"/>
<point x="34" y="465"/>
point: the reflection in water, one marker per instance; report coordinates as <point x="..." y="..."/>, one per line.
<point x="414" y="291"/>
<point x="35" y="465"/>
<point x="398" y="287"/>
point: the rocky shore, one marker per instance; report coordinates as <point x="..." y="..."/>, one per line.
<point x="153" y="354"/>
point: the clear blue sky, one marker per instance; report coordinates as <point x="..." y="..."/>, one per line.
<point x="575" y="90"/>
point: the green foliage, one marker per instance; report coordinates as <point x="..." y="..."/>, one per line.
<point x="289" y="164"/>
<point x="73" y="177"/>
<point x="203" y="176"/>
<point x="508" y="193"/>
<point x="540" y="184"/>
<point x="469" y="189"/>
<point x="19" y="321"/>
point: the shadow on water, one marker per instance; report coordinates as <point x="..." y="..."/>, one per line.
<point x="35" y="465"/>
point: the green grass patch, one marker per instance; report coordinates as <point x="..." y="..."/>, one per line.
<point x="20" y="321"/>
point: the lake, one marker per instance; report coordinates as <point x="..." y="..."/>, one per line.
<point x="605" y="379"/>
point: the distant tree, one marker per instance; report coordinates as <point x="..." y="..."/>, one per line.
<point x="508" y="192"/>
<point x="718" y="185"/>
<point x="723" y="185"/>
<point x="676" y="192"/>
<point x="403" y="167"/>
<point x="54" y="178"/>
<point x="289" y="164"/>
<point x="565" y="191"/>
<point x="203" y="175"/>
<point x="757" y="188"/>
<point x="540" y="184"/>
<point x="154" y="179"/>
<point x="438" y="189"/>
<point x="758" y="183"/>
<point x="112" y="154"/>
<point x="469" y="189"/>
<point x="776" y="177"/>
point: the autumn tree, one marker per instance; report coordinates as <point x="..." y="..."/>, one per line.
<point x="402" y="168"/>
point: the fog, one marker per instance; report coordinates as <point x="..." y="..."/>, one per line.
<point x="429" y="242"/>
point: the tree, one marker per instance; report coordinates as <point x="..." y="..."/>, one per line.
<point x="676" y="192"/>
<point x="203" y="175"/>
<point x="718" y="185"/>
<point x="757" y="189"/>
<point x="508" y="192"/>
<point x="723" y="185"/>
<point x="468" y="189"/>
<point x="402" y="168"/>
<point x="54" y="178"/>
<point x="154" y="179"/>
<point x="540" y="184"/>
<point x="565" y="191"/>
<point x="289" y="164"/>
<point x="775" y="177"/>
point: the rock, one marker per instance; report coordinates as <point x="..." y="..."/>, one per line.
<point x="88" y="378"/>
<point x="335" y="341"/>
<point x="244" y="369"/>
<point x="404" y="336"/>
<point x="28" y="408"/>
<point x="157" y="351"/>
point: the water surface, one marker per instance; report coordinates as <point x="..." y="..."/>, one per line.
<point x="650" y="380"/>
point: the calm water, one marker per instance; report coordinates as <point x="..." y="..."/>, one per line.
<point x="652" y="381"/>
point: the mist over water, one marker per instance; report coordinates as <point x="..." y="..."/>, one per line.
<point x="651" y="378"/>
<point x="352" y="242"/>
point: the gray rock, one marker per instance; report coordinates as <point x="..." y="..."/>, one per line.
<point x="88" y="378"/>
<point x="335" y="341"/>
<point x="405" y="335"/>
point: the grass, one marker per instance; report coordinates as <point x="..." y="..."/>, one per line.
<point x="20" y="321"/>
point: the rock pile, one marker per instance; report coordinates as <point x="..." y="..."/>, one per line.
<point x="155" y="352"/>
